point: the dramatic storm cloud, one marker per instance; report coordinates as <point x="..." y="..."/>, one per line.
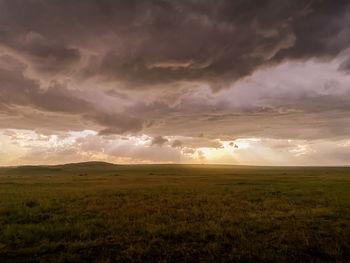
<point x="244" y="82"/>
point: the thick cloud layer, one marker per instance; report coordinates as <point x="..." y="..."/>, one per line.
<point x="146" y="43"/>
<point x="189" y="74"/>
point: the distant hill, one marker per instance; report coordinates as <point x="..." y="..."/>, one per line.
<point x="88" y="164"/>
<point x="104" y="168"/>
<point x="83" y="168"/>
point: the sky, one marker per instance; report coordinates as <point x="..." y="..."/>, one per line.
<point x="252" y="82"/>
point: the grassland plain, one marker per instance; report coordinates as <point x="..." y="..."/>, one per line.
<point x="99" y="212"/>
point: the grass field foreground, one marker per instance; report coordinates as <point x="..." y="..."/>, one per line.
<point x="99" y="212"/>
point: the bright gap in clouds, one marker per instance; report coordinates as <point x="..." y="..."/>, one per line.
<point x="28" y="147"/>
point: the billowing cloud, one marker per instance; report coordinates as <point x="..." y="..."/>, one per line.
<point x="146" y="43"/>
<point x="345" y="65"/>
<point x="20" y="90"/>
<point x="159" y="140"/>
<point x="176" y="143"/>
<point x="189" y="75"/>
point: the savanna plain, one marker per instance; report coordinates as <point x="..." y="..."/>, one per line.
<point x="101" y="212"/>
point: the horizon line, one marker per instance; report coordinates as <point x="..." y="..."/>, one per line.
<point x="186" y="164"/>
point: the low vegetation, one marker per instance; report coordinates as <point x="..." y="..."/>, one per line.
<point x="99" y="212"/>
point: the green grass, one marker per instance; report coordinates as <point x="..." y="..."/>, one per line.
<point x="98" y="212"/>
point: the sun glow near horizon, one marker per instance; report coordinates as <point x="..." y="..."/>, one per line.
<point x="20" y="147"/>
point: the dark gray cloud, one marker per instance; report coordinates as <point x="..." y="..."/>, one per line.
<point x="17" y="90"/>
<point x="159" y="140"/>
<point x="197" y="42"/>
<point x="345" y="66"/>
<point x="117" y="123"/>
<point x="176" y="143"/>
<point x="159" y="42"/>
